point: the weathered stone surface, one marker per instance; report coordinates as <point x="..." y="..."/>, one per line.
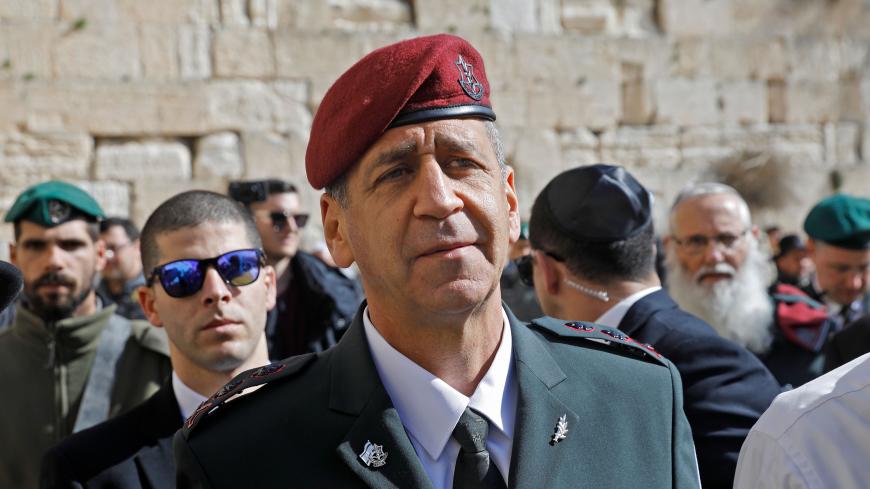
<point x="243" y="52"/>
<point x="514" y="15"/>
<point x="589" y="16"/>
<point x="113" y="197"/>
<point x="536" y="160"/>
<point x="686" y="102"/>
<point x="164" y="11"/>
<point x="564" y="61"/>
<point x="743" y="102"/>
<point x="263" y="13"/>
<point x="595" y="104"/>
<point x="695" y="18"/>
<point x="233" y="12"/>
<point x="28" y="10"/>
<point x="25" y="49"/>
<point x="579" y="147"/>
<point x="136" y="161"/>
<point x="451" y="15"/>
<point x="158" y="45"/>
<point x="218" y="155"/>
<point x="257" y="106"/>
<point x="27" y="158"/>
<point x="194" y="57"/>
<point x="741" y="58"/>
<point x="98" y="50"/>
<point x="842" y="142"/>
<point x="811" y="101"/>
<point x="301" y="56"/>
<point x="148" y="194"/>
<point x="639" y="146"/>
<point x="272" y="155"/>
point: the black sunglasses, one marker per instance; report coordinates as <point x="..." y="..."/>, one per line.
<point x="281" y="219"/>
<point x="524" y="267"/>
<point x="183" y="278"/>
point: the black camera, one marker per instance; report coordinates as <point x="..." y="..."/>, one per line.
<point x="249" y="192"/>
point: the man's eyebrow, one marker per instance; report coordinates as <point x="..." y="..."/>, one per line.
<point x="396" y="154"/>
<point x="458" y="145"/>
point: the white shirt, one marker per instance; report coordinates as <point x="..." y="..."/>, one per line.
<point x="614" y="315"/>
<point x="429" y="408"/>
<point x="816" y="436"/>
<point x="188" y="399"/>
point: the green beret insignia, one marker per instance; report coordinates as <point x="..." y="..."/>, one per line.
<point x="52" y="203"/>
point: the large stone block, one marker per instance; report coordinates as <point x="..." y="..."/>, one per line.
<point x="686" y="102"/>
<point x="640" y="146"/>
<point x="148" y="194"/>
<point x="218" y="155"/>
<point x="263" y="13"/>
<point x="257" y="106"/>
<point x="273" y="155"/>
<point x="25" y="49"/>
<point x="514" y="15"/>
<point x="135" y="161"/>
<point x="27" y="158"/>
<point x="590" y="17"/>
<point x="595" y="104"/>
<point x="28" y="10"/>
<point x="164" y="11"/>
<point x="695" y="18"/>
<point x="243" y="52"/>
<point x="233" y="12"/>
<point x="113" y="197"/>
<point x="753" y="58"/>
<point x="100" y="50"/>
<point x="801" y="143"/>
<point x="743" y="102"/>
<point x="194" y="52"/>
<point x="579" y="147"/>
<point x="300" y="55"/>
<point x="842" y="142"/>
<point x="691" y="58"/>
<point x="811" y="101"/>
<point x="158" y="45"/>
<point x="537" y="158"/>
<point x="452" y="15"/>
<point x="564" y="61"/>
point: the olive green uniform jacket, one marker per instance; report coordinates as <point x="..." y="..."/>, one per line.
<point x="43" y="371"/>
<point x="309" y="424"/>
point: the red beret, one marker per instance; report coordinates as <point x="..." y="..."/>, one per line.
<point x="421" y="79"/>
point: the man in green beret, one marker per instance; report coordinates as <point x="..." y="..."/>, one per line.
<point x="66" y="362"/>
<point x="839" y="245"/>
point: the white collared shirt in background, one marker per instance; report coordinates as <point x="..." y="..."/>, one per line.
<point x="188" y="399"/>
<point x="429" y="408"/>
<point x="614" y="315"/>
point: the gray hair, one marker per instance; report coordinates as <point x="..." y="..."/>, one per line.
<point x="711" y="188"/>
<point x="338" y="188"/>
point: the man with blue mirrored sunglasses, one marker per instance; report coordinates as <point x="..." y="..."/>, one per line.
<point x="208" y="286"/>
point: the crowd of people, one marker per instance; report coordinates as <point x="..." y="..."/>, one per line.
<point x="468" y="350"/>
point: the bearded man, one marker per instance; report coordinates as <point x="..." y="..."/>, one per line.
<point x="717" y="271"/>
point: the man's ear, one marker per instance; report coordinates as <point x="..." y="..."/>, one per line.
<point x="146" y="302"/>
<point x="550" y="272"/>
<point x="513" y="205"/>
<point x="100" y="250"/>
<point x="12" y="255"/>
<point x="335" y="231"/>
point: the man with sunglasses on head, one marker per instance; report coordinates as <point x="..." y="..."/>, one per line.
<point x="436" y="384"/>
<point x="593" y="259"/>
<point x="68" y="361"/>
<point x="717" y="272"/>
<point x="209" y="288"/>
<point x="315" y="302"/>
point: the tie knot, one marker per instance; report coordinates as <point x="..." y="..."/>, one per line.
<point x="471" y="431"/>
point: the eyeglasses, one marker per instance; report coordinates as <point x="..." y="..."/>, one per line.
<point x="183" y="278"/>
<point x="698" y="243"/>
<point x="281" y="219"/>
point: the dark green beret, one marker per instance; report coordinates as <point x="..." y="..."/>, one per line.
<point x="842" y="221"/>
<point x="52" y="203"/>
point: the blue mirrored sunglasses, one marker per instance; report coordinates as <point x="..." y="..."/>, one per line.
<point x="183" y="278"/>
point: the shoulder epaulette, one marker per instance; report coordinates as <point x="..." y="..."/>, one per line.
<point x="604" y="335"/>
<point x="250" y="378"/>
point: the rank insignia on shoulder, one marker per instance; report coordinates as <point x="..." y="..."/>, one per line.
<point x="251" y="378"/>
<point x="599" y="334"/>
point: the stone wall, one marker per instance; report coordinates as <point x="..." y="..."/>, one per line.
<point x="138" y="100"/>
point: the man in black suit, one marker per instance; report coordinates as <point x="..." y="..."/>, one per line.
<point x="849" y="344"/>
<point x="210" y="288"/>
<point x="593" y="253"/>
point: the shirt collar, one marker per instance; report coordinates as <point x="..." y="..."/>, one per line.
<point x="188" y="399"/>
<point x="614" y="315"/>
<point x="430" y="408"/>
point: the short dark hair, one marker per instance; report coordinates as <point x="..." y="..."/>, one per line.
<point x="93" y="226"/>
<point x="601" y="262"/>
<point x="189" y="209"/>
<point x="127" y="225"/>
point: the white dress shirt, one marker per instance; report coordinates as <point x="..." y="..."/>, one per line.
<point x="188" y="399"/>
<point x="614" y="315"/>
<point x="816" y="436"/>
<point x="429" y="408"/>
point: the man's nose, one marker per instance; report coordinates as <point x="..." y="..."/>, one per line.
<point x="714" y="252"/>
<point x="435" y="193"/>
<point x="54" y="257"/>
<point x="214" y="289"/>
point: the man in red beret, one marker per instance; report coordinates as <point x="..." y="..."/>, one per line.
<point x="436" y="384"/>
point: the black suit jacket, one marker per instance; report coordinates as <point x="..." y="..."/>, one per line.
<point x="131" y="451"/>
<point x="725" y="387"/>
<point x="308" y="425"/>
<point x="848" y="344"/>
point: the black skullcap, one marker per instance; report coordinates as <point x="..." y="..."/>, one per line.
<point x="789" y="243"/>
<point x="598" y="203"/>
<point x="10" y="284"/>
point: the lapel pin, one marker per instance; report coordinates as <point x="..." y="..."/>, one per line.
<point x="373" y="455"/>
<point x="561" y="430"/>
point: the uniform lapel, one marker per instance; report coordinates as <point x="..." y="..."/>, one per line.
<point x="536" y="461"/>
<point x="356" y="390"/>
<point x="155" y="462"/>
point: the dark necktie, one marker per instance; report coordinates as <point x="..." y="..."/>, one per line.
<point x="474" y="469"/>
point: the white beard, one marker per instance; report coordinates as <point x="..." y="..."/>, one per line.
<point x="739" y="308"/>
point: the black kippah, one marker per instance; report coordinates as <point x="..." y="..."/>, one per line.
<point x="597" y="203"/>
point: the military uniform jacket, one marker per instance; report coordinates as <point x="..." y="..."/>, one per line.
<point x="308" y="426"/>
<point x="848" y="344"/>
<point x="44" y="368"/>
<point x="725" y="387"/>
<point x="131" y="451"/>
